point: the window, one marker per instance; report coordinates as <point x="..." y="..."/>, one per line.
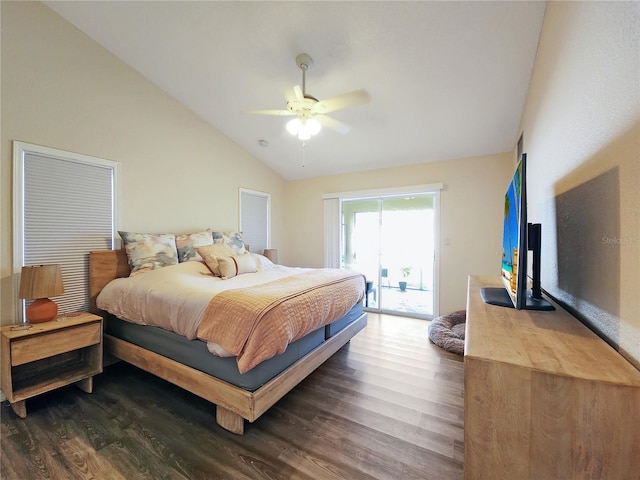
<point x="255" y="218"/>
<point x="64" y="207"/>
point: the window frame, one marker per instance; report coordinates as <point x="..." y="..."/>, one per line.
<point x="267" y="196"/>
<point x="20" y="151"/>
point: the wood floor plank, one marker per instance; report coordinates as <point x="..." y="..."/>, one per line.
<point x="388" y="405"/>
<point x="353" y="460"/>
<point x="378" y="416"/>
<point x="402" y="394"/>
<point x="379" y="454"/>
<point x="85" y="463"/>
<point x="407" y="408"/>
<point x="442" y="387"/>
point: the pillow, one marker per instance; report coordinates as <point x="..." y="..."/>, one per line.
<point x="262" y="262"/>
<point x="232" y="239"/>
<point x="147" y="251"/>
<point x="210" y="254"/>
<point x="186" y="245"/>
<point x="236" y="265"/>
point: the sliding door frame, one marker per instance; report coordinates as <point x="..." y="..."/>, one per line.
<point x="333" y="227"/>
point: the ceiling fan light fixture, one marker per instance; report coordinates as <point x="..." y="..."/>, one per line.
<point x="306" y="107"/>
<point x="314" y="126"/>
<point x="304" y="128"/>
<point x="304" y="134"/>
<point x="293" y="126"/>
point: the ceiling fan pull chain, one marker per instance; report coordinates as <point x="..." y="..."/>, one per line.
<point x="304" y="144"/>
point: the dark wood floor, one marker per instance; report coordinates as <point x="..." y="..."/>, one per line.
<point x="389" y="405"/>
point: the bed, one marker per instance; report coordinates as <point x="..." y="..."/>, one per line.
<point x="239" y="394"/>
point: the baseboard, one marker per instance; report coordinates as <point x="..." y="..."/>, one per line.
<point x="2" y="397"/>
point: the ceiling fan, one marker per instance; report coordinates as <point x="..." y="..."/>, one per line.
<point x="310" y="112"/>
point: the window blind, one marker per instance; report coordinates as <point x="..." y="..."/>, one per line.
<point x="255" y="219"/>
<point x="68" y="209"/>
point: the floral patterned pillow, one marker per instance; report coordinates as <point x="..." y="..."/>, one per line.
<point x="186" y="245"/>
<point x="147" y="251"/>
<point x="232" y="239"/>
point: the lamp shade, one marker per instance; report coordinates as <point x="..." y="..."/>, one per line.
<point x="40" y="282"/>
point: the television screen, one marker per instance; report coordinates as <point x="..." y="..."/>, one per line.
<point x="514" y="237"/>
<point x="518" y="237"/>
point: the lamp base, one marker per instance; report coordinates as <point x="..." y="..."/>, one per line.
<point x="42" y="310"/>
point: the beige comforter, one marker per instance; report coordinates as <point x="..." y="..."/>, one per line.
<point x="259" y="322"/>
<point x="179" y="297"/>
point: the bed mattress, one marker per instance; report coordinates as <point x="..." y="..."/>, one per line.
<point x="335" y="327"/>
<point x="194" y="353"/>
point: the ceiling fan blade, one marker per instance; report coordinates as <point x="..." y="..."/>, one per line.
<point x="333" y="124"/>
<point x="293" y="93"/>
<point x="359" y="97"/>
<point x="268" y="112"/>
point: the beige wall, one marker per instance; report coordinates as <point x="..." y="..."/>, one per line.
<point x="582" y="134"/>
<point x="581" y="129"/>
<point x="61" y="90"/>
<point x="471" y="207"/>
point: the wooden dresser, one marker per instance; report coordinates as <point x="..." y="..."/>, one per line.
<point x="545" y="397"/>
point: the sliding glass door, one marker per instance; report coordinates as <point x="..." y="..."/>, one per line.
<point x="392" y="241"/>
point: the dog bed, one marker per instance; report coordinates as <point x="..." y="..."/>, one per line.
<point x="447" y="331"/>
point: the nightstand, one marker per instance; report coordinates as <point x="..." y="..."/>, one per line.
<point x="50" y="355"/>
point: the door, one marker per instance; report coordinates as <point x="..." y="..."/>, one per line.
<point x="391" y="240"/>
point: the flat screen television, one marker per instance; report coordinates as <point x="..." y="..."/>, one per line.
<point x="518" y="238"/>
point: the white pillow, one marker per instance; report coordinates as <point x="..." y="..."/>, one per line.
<point x="262" y="262"/>
<point x="236" y="265"/>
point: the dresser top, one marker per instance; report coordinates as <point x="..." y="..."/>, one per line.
<point x="547" y="341"/>
<point x="18" y="330"/>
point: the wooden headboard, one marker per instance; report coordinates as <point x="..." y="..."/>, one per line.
<point x="104" y="266"/>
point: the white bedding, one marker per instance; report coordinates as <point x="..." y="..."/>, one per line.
<point x="175" y="297"/>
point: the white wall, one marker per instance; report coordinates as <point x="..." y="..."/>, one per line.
<point x="582" y="134"/>
<point x="62" y="90"/>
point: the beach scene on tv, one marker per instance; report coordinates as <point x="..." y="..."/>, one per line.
<point x="510" y="239"/>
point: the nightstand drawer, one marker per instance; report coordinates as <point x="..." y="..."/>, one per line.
<point x="36" y="347"/>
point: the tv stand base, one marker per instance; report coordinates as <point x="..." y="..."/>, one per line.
<point x="500" y="297"/>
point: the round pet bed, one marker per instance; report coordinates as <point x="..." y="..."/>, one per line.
<point x="447" y="331"/>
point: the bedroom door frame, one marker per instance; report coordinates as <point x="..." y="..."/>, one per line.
<point x="334" y="228"/>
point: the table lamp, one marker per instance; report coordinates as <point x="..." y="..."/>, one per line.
<point x="40" y="282"/>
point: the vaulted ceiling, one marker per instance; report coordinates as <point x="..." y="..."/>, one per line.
<point x="447" y="80"/>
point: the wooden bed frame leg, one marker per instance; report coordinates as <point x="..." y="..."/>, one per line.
<point x="229" y="420"/>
